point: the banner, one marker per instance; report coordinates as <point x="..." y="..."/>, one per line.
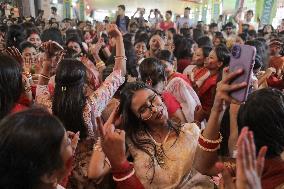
<point x="267" y="10"/>
<point x="216" y="9"/>
<point x="204" y="13"/>
<point x="82" y="10"/>
<point x="67" y="8"/>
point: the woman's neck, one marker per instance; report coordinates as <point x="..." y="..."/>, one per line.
<point x="213" y="72"/>
<point x="160" y="130"/>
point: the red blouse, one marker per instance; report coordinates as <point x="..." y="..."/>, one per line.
<point x="206" y="92"/>
<point x="171" y="103"/>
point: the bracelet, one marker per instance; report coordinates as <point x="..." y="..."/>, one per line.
<point x="209" y="145"/>
<point x="120" y="57"/>
<point x="124" y="178"/>
<point x="44" y="76"/>
<point x="98" y="146"/>
<point x="218" y="141"/>
<point x="100" y="64"/>
<point x="208" y="149"/>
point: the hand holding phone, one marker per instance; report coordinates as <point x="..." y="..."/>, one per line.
<point x="242" y="57"/>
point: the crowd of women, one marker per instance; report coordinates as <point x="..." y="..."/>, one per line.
<point x="132" y="105"/>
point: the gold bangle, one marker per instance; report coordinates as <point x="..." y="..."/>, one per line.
<point x="218" y="141"/>
<point x="207" y="149"/>
<point x="44" y="76"/>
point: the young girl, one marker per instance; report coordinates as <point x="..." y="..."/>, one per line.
<point x="197" y="73"/>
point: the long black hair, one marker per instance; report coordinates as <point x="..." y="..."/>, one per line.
<point x="30" y="145"/>
<point x="10" y="84"/>
<point x="69" y="99"/>
<point x="263" y="113"/>
<point x="134" y="126"/>
<point x="15" y="35"/>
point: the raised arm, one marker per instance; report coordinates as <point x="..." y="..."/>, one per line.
<point x="120" y="58"/>
<point x="236" y="16"/>
<point x="206" y="155"/>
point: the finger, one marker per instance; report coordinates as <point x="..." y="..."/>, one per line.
<point x="100" y="126"/>
<point x="252" y="148"/>
<point x="70" y="134"/>
<point x="114" y="115"/>
<point x="247" y="153"/>
<point x="241" y="153"/>
<point x="234" y="87"/>
<point x="261" y="160"/>
<point x="232" y="75"/>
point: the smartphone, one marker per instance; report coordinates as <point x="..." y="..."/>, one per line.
<point x="242" y="56"/>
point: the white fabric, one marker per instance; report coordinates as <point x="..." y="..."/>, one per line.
<point x="177" y="171"/>
<point x="188" y="71"/>
<point x="59" y="187"/>
<point x="185" y="95"/>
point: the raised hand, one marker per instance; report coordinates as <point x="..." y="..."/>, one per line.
<point x="113" y="140"/>
<point x="95" y="49"/>
<point x="51" y="48"/>
<point x="249" y="167"/>
<point x="15" y="53"/>
<point x="74" y="137"/>
<point x="113" y="31"/>
<point x="224" y="88"/>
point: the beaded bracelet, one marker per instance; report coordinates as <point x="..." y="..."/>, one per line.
<point x="218" y="141"/>
<point x="209" y="145"/>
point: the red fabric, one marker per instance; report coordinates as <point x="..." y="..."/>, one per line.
<point x="276" y="62"/>
<point x="24" y="100"/>
<point x="18" y="108"/>
<point x="33" y="89"/>
<point x="165" y="25"/>
<point x="171" y="103"/>
<point x="131" y="183"/>
<point x="199" y="72"/>
<point x="69" y="166"/>
<point x="274" y="82"/>
<point x="182" y="64"/>
<point x="184" y="77"/>
<point x="51" y="89"/>
<point x="206" y="92"/>
<point x="273" y="173"/>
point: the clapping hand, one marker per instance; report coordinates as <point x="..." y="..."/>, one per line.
<point x="249" y="167"/>
<point x="15" y="53"/>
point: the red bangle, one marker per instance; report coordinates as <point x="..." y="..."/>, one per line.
<point x="206" y="144"/>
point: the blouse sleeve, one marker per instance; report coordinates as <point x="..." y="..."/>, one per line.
<point x="43" y="97"/>
<point x="99" y="99"/>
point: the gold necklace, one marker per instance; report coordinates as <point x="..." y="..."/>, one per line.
<point x="160" y="155"/>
